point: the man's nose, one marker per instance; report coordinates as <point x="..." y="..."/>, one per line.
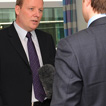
<point x="36" y="13"/>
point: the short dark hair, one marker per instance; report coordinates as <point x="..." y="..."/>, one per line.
<point x="99" y="6"/>
<point x="19" y="2"/>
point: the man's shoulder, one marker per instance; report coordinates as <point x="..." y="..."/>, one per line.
<point x="42" y="32"/>
<point x="76" y="38"/>
<point x="78" y="35"/>
<point x="6" y="28"/>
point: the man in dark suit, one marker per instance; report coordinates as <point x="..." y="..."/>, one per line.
<point x="16" y="85"/>
<point x="80" y="78"/>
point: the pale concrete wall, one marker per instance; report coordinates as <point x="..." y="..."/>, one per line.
<point x="81" y="23"/>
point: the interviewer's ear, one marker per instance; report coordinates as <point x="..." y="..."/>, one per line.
<point x="88" y="2"/>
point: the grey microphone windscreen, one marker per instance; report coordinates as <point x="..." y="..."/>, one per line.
<point x="46" y="75"/>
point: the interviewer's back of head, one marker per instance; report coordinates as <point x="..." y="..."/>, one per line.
<point x="99" y="5"/>
<point x="91" y="8"/>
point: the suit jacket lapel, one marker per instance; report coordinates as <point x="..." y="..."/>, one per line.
<point x="41" y="40"/>
<point x="16" y="43"/>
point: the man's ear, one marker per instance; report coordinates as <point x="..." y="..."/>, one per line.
<point x="88" y="2"/>
<point x="17" y="9"/>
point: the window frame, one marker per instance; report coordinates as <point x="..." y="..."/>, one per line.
<point x="47" y="3"/>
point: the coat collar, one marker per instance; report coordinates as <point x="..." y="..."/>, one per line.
<point x="16" y="43"/>
<point x="42" y="42"/>
<point x="99" y="21"/>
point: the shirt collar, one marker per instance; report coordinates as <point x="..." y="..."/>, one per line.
<point x="21" y="32"/>
<point x="95" y="18"/>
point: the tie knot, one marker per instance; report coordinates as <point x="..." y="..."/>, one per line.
<point x="28" y="35"/>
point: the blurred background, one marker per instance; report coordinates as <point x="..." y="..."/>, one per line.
<point x="53" y="16"/>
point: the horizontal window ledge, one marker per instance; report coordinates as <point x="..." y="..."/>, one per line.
<point x="60" y="21"/>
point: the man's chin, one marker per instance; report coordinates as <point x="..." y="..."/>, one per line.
<point x="33" y="28"/>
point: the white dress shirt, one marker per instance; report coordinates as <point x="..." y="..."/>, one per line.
<point x="22" y="35"/>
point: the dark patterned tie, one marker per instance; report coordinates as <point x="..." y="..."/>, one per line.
<point x="34" y="64"/>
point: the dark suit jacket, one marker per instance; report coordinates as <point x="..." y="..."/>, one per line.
<point x="80" y="78"/>
<point x="15" y="72"/>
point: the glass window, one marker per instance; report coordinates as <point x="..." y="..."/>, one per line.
<point x="52" y="21"/>
<point x="7" y="15"/>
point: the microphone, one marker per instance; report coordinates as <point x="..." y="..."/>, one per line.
<point x="46" y="75"/>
